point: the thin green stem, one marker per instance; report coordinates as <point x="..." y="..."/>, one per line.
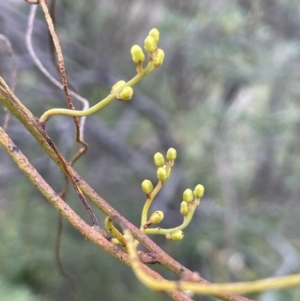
<point x="151" y="197"/>
<point x="114" y="231"/>
<point x="204" y="288"/>
<point x="100" y="105"/>
<point x="148" y="203"/>
<point x="187" y="219"/>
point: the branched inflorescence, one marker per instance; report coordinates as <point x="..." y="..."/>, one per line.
<point x="122" y="90"/>
<point x="191" y="199"/>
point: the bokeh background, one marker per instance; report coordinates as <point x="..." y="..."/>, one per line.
<point x="227" y="97"/>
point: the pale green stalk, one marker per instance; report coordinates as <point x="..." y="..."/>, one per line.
<point x="100" y="105"/>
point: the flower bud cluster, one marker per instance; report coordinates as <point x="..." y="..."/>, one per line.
<point x="125" y="93"/>
<point x="191" y="199"/>
<point x="150" y="45"/>
<point x="157" y="55"/>
<point x="163" y="167"/>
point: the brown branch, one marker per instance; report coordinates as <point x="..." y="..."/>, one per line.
<point x="64" y="209"/>
<point x="69" y="101"/>
<point x="62" y="71"/>
<point x="78" y="128"/>
<point x="36" y="129"/>
<point x="60" y="58"/>
<point x="84" y="102"/>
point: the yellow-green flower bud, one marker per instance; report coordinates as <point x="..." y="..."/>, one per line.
<point x="150" y="44"/>
<point x="125" y="94"/>
<point x="155" y="34"/>
<point x="159" y="58"/>
<point x="171" y="154"/>
<point x="188" y="195"/>
<point x="156" y="217"/>
<point x="159" y="159"/>
<point x="184" y="210"/>
<point x="176" y="236"/>
<point x="199" y="191"/>
<point x="147" y="186"/>
<point x="162" y="174"/>
<point x="137" y="54"/>
<point x="117" y="85"/>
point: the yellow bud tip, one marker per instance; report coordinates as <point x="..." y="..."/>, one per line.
<point x="184" y="210"/>
<point x="155" y="34"/>
<point x="150" y="44"/>
<point x="188" y="195"/>
<point x="159" y="58"/>
<point x="147" y="186"/>
<point x="156" y="217"/>
<point x="159" y="159"/>
<point x="171" y="154"/>
<point x="199" y="191"/>
<point x="137" y="54"/>
<point x="125" y="94"/>
<point x="117" y="85"/>
<point x="176" y="236"/>
<point x="162" y="174"/>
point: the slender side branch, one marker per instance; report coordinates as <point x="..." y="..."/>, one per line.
<point x="162" y="231"/>
<point x="100" y="105"/>
<point x="115" y="232"/>
<point x="149" y="200"/>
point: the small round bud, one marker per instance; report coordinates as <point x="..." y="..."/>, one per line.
<point x="176" y="236"/>
<point x="117" y="85"/>
<point x="162" y="174"/>
<point x="171" y="154"/>
<point x="184" y="210"/>
<point x="199" y="191"/>
<point x="155" y="34"/>
<point x="147" y="186"/>
<point x="188" y="195"/>
<point x="149" y="44"/>
<point x="159" y="159"/>
<point x="137" y="54"/>
<point x="159" y="58"/>
<point x="125" y="94"/>
<point x="156" y="217"/>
